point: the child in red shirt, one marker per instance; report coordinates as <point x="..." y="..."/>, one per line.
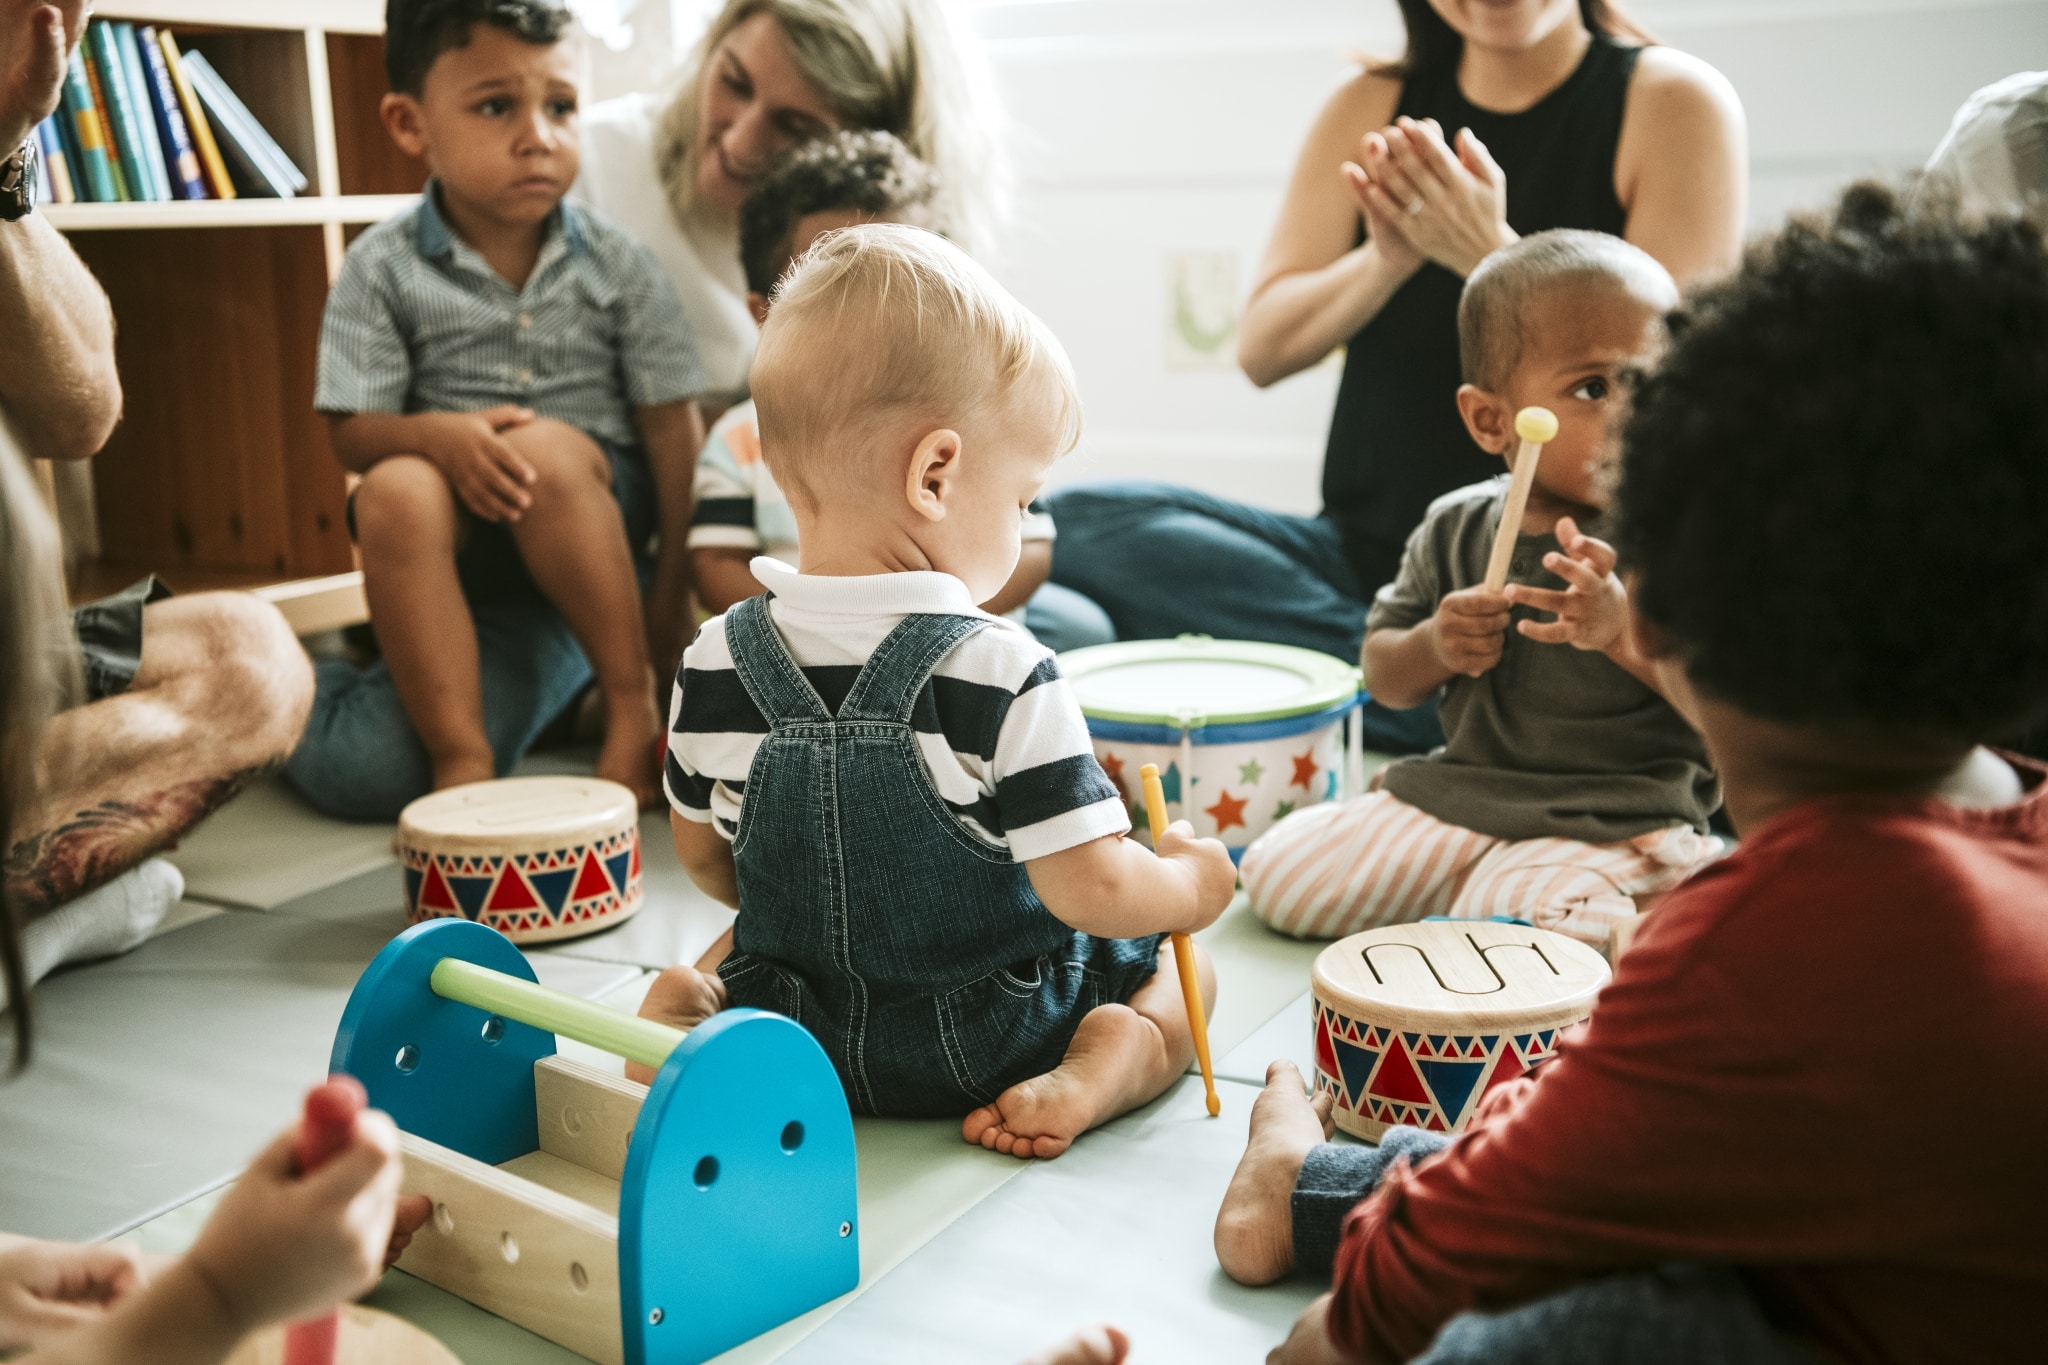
<point x="1832" y="495"/>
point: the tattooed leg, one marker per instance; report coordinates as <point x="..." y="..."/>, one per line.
<point x="220" y="698"/>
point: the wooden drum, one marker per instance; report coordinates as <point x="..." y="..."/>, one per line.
<point x="536" y="858"/>
<point x="1414" y="1023"/>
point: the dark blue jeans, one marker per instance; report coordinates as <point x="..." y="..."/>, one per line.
<point x="914" y="951"/>
<point x="1679" y="1314"/>
<point x="1165" y="561"/>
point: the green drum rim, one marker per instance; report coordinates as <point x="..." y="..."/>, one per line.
<point x="1326" y="681"/>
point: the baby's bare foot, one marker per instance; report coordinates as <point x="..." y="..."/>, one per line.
<point x="681" y="997"/>
<point x="1255" y="1227"/>
<point x="1116" y="1062"/>
<point x="1096" y="1346"/>
<point x="632" y="750"/>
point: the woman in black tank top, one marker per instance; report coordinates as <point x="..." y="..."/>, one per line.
<point x="1604" y="133"/>
<point x="1396" y="440"/>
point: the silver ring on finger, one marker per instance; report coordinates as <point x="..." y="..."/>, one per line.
<point x="1413" y="206"/>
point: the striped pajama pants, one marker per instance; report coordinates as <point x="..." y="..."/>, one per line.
<point x="1336" y="869"/>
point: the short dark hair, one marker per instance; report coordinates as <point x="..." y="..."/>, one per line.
<point x="864" y="172"/>
<point x="416" y="32"/>
<point x="1493" y="311"/>
<point x="1833" y="487"/>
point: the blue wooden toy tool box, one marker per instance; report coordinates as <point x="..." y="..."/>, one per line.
<point x="635" y="1225"/>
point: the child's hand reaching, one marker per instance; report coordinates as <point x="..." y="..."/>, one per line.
<point x="282" y="1246"/>
<point x="1206" y="862"/>
<point x="47" y="1288"/>
<point x="1592" y="609"/>
<point x="1469" y="630"/>
<point x="471" y="452"/>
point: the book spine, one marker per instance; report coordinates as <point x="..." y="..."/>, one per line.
<point x="195" y="121"/>
<point x="264" y="157"/>
<point x="149" y="146"/>
<point x="46" y="188"/>
<point x="56" y="161"/>
<point x="188" y="180"/>
<point x="90" y="133"/>
<point x="117" y="155"/>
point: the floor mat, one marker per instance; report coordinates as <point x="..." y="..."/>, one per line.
<point x="267" y="846"/>
<point x="1117" y="1230"/>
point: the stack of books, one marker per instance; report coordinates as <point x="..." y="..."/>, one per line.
<point x="145" y="122"/>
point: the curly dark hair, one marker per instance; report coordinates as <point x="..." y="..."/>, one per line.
<point x="418" y="31"/>
<point x="863" y="172"/>
<point x="1834" y="487"/>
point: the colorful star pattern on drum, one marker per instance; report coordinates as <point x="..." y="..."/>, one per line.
<point x="1250" y="773"/>
<point x="1425" y="1080"/>
<point x="1305" y="770"/>
<point x="528" y="895"/>
<point x="1227" y="811"/>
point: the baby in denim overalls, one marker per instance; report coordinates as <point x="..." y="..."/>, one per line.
<point x="894" y="788"/>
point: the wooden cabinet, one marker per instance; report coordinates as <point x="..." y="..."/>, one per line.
<point x="220" y="473"/>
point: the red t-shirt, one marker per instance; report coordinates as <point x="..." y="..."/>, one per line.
<point x="1825" y="1060"/>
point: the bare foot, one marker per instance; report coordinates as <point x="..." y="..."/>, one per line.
<point x="456" y="769"/>
<point x="1255" y="1226"/>
<point x="681" y="997"/>
<point x="1117" y="1061"/>
<point x="1097" y="1346"/>
<point x="632" y="750"/>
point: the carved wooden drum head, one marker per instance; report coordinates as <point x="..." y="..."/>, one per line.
<point x="1414" y="1023"/>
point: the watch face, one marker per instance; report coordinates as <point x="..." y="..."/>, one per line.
<point x="18" y="183"/>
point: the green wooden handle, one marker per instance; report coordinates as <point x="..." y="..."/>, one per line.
<point x="528" y="1002"/>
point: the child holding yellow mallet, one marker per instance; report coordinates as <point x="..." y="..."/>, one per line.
<point x="896" y="790"/>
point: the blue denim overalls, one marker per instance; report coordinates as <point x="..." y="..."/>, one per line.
<point x="915" y="952"/>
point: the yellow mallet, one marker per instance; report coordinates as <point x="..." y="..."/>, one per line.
<point x="1183" y="946"/>
<point x="1537" y="427"/>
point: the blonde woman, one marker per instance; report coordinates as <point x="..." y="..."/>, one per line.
<point x="673" y="168"/>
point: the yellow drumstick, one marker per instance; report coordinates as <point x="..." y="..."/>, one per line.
<point x="1183" y="946"/>
<point x="1537" y="427"/>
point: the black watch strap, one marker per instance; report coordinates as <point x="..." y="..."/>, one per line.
<point x="18" y="183"/>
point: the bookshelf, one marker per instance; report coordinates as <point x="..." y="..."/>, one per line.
<point x="220" y="474"/>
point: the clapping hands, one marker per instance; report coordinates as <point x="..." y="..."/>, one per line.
<point x="1425" y="199"/>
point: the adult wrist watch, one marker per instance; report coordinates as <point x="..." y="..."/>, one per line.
<point x="18" y="183"/>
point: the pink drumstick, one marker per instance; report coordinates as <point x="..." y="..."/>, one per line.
<point x="324" y="1131"/>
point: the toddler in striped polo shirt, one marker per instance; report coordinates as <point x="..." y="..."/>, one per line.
<point x="894" y="788"/>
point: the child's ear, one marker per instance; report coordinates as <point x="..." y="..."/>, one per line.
<point x="1486" y="417"/>
<point x="401" y="117"/>
<point x="757" y="304"/>
<point x="934" y="466"/>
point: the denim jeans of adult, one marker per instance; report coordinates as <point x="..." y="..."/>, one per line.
<point x="1164" y="561"/>
<point x="1677" y="1314"/>
<point x="1062" y="619"/>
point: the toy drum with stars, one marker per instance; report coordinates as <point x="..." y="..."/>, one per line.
<point x="1243" y="733"/>
<point x="1415" y="1023"/>
<point x="536" y="858"/>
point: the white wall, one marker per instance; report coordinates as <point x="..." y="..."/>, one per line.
<point x="1156" y="133"/>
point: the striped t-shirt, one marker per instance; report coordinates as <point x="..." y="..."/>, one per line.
<point x="999" y="730"/>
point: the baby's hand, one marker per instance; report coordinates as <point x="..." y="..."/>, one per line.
<point x="48" y="1288"/>
<point x="480" y="465"/>
<point x="1592" y="611"/>
<point x="281" y="1246"/>
<point x="1209" y="870"/>
<point x="1470" y="630"/>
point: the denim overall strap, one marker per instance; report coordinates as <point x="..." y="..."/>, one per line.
<point x="889" y="684"/>
<point x="777" y="686"/>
